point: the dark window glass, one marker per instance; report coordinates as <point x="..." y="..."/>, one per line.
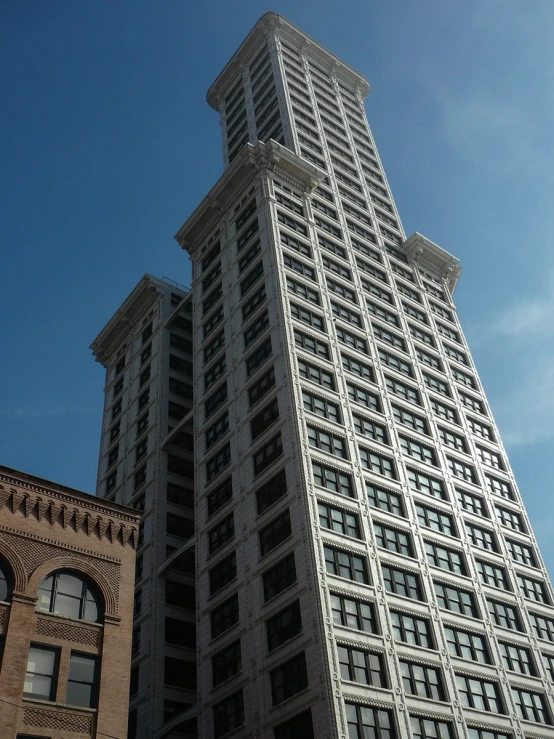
<point x="284" y="625"/>
<point x="361" y="666"/>
<point x="279" y="577"/>
<point x="288" y="679"/>
<point x="223" y="573"/>
<point x="411" y="629"/>
<point x="275" y="533"/>
<point x="225" y="616"/>
<point x="226" y="663"/>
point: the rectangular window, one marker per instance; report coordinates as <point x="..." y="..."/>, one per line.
<point x="429" y="359"/>
<point x="180" y="633"/>
<point x="251" y="278"/>
<point x="304" y="291"/>
<point x="503" y="614"/>
<point x="363" y="397"/>
<point x="521" y="553"/>
<point x="339" y="289"/>
<point x="455" y="600"/>
<point x="383" y="499"/>
<point x="467" y="645"/>
<point x="213" y="321"/>
<point x="298" y="727"/>
<point x="361" y="666"/>
<point x="542" y="626"/>
<point x="402" y="390"/>
<point x="272" y="490"/>
<point x="224" y="616"/>
<point x="444" y="411"/>
<point x="377" y="463"/>
<point x="339" y="520"/>
<point x="354" y="614"/>
<point x="264" y="419"/>
<point x="297" y="244"/>
<point x="367" y="721"/>
<point x="492" y="575"/>
<point x="427" y="728"/>
<point x="420" y="335"/>
<point x="228" y="714"/>
<point x="499" y="487"/>
<point x="300" y="267"/>
<point x="347" y="315"/>
<point x="279" y="577"/>
<point x="283" y="626"/>
<point x="223" y="573"/>
<point x="288" y="679"/>
<point x="463" y="378"/>
<point x="461" y="470"/>
<point x="434" y="383"/>
<point x="257" y="328"/>
<point x="261" y="387"/>
<point x="418" y="451"/>
<point x="370" y="429"/>
<point x="425" y="484"/>
<point x="350" y="364"/>
<point x="510" y="519"/>
<point x="311" y="344"/>
<point x="452" y="440"/>
<point x="346" y="564"/>
<point x="226" y="663"/>
<point x="517" y="659"/>
<point x="216" y="399"/>
<point x="266" y="455"/>
<point x="383" y="314"/>
<point x="352" y="340"/>
<point x="402" y="583"/>
<point x="480" y="694"/>
<point x="480" y="429"/>
<point x="422" y="680"/>
<point x="275" y="533"/>
<point x="41" y="674"/>
<point x="179" y="526"/>
<point x="221" y="534"/>
<point x="333" y="480"/>
<point x="531" y="706"/>
<point x="316" y="375"/>
<point x="258" y="357"/>
<point x="393" y="540"/>
<point x="388" y="337"/>
<point x="217" y="430"/>
<point x="481" y="538"/>
<point x="396" y="363"/>
<point x="435" y="520"/>
<point x="219" y="496"/>
<point x="326" y="442"/>
<point x="533" y="589"/>
<point x="321" y="407"/>
<point x="218" y="462"/>
<point x="472" y="503"/>
<point x="446" y="559"/>
<point x="472" y="403"/>
<point x="250" y="306"/>
<point x="406" y="418"/>
<point x="214" y="346"/>
<point x="411" y="629"/>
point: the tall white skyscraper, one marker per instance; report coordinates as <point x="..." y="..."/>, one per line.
<point x="364" y="564"/>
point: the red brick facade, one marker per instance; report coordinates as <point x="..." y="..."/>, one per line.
<point x="46" y="529"/>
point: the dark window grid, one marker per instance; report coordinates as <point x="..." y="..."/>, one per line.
<point x="533" y="589"/>
<point x="354" y="614"/>
<point x="482" y="538"/>
<point x="542" y="626"/>
<point x="224" y="616"/>
<point x="517" y="659"/>
<point x="354" y="341"/>
<point x="521" y="553"/>
<point x="427" y="728"/>
<point x="364" y="397"/>
<point x="346" y="564"/>
<point x="361" y="666"/>
<point x="412" y="629"/>
<point x="452" y="440"/>
<point x="226" y="663"/>
<point x="510" y="519"/>
<point x="255" y="329"/>
<point x="311" y="344"/>
<point x="418" y="451"/>
<point x="223" y="573"/>
<point x="317" y="375"/>
<point x="446" y="559"/>
<point x="321" y="407"/>
<point x="289" y="679"/>
<point x="490" y="574"/>
<point x="334" y="480"/>
<point x="480" y="694"/>
<point x="260" y="388"/>
<point x="284" y="626"/>
<point x="279" y="577"/>
<point x="400" y="582"/>
<point x="467" y="645"/>
<point x="377" y="463"/>
<point x="422" y="680"/>
<point x="472" y="503"/>
<point x="275" y="533"/>
<point x="531" y="706"/>
<point x="410" y="420"/>
<point x="370" y="429"/>
<point x="264" y="419"/>
<point x="218" y="462"/>
<point x="385" y="500"/>
<point x="435" y="519"/>
<point x="228" y="714"/>
<point x="326" y="442"/>
<point x="339" y="520"/>
<point x="505" y="615"/>
<point x="402" y="390"/>
<point x="367" y="721"/>
<point x="265" y="456"/>
<point x="427" y="485"/>
<point x="221" y="534"/>
<point x="396" y="363"/>
<point x="393" y="540"/>
<point x="456" y="600"/>
<point x="220" y="495"/>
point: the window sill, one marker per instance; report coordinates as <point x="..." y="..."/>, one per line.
<point x="54" y="704"/>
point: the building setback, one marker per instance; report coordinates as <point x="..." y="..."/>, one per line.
<point x="67" y="564"/>
<point x="365" y="565"/>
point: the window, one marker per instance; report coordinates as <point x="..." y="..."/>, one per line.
<point x="180" y="595"/>
<point x="257" y="358"/>
<point x="414" y="312"/>
<point x="472" y="503"/>
<point x="226" y="663"/>
<point x="533" y="589"/>
<point x="402" y="583"/>
<point x="395" y="363"/>
<point x="221" y="534"/>
<point x="422" y="680"/>
<point x="377" y="463"/>
<point x="463" y="378"/>
<point x="210" y="300"/>
<point x="393" y="540"/>
<point x="261" y="387"/>
<point x="418" y="451"/>
<point x="179" y="526"/>
<point x="370" y="429"/>
<point x="284" y="626"/>
<point x="82" y="682"/>
<point x="223" y="573"/>
<point x="337" y="268"/>
<point x="180" y="633"/>
<point x="179" y="343"/>
<point x="492" y="575"/>
<point x="361" y="666"/>
<point x="302" y="290"/>
<point x="352" y="340"/>
<point x="288" y="679"/>
<point x="266" y="455"/>
<point x="298" y="727"/>
<point x="326" y="442"/>
<point x="403" y="391"/>
<point x="218" y="462"/>
<point x="411" y="629"/>
<point x="446" y="559"/>
<point x="531" y="706"/>
<point x="481" y="538"/>
<point x="517" y="659"/>
<point x="467" y="645"/>
<point x="212" y="322"/>
<point x="214" y="345"/>
<point x="410" y="420"/>
<point x="310" y="344"/>
<point x="542" y="626"/>
<point x="217" y="430"/>
<point x="480" y="429"/>
<point x="228" y="714"/>
<point x="301" y="267"/>
<point x="388" y="337"/>
<point x="219" y="496"/>
<point x="69" y="595"/>
<point x="363" y="397"/>
<point x="452" y="440"/>
<point x="352" y="613"/>
<point x="275" y="533"/>
<point x="407" y="291"/>
<point x="549" y="664"/>
<point x="366" y="721"/>
<point x="279" y="577"/>
<point x="383" y="314"/>
<point x="321" y="407"/>
<point x="346" y="564"/>
<point x="434" y="383"/>
<point x="247" y="309"/>
<point x="339" y="520"/>
<point x="504" y="615"/>
<point x="499" y="487"/>
<point x="251" y="278"/>
<point x="455" y="600"/>
<point x="472" y="403"/>
<point x="5" y="584"/>
<point x="297" y="244"/>
<point x="383" y="499"/>
<point x="253" y="331"/>
<point x="435" y="520"/>
<point x="264" y="419"/>
<point x="461" y="470"/>
<point x="333" y="480"/>
<point x="425" y="484"/>
<point x="444" y="411"/>
<point x="510" y="519"/>
<point x="272" y="490"/>
<point x="490" y="458"/>
<point x="41" y="674"/>
<point x="420" y="335"/>
<point x="480" y="694"/>
<point x="518" y="553"/>
<point x="316" y="374"/>
<point x="426" y="728"/>
<point x="224" y="616"/>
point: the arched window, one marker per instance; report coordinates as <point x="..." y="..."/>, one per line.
<point x="70" y="595"/>
<point x="5" y="583"/>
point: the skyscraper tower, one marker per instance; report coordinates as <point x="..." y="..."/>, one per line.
<point x="364" y="563"/>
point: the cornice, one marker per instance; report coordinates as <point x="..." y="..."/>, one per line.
<point x="274" y="23"/>
<point x="428" y="255"/>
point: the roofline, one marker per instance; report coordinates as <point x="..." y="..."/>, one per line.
<point x="16" y="476"/>
<point x="420" y="249"/>
<point x="266" y="23"/>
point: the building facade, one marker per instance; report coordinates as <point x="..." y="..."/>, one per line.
<point x="67" y="565"/>
<point x="146" y="462"/>
<point x="364" y="563"/>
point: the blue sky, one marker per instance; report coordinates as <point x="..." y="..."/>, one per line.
<point x="108" y="145"/>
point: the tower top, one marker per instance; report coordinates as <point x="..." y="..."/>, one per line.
<point x="273" y="22"/>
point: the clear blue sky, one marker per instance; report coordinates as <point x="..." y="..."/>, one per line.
<point x="108" y="145"/>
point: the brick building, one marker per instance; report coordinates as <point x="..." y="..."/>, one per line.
<point x="67" y="568"/>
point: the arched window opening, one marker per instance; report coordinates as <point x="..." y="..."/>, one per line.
<point x="68" y="594"/>
<point x="5" y="583"/>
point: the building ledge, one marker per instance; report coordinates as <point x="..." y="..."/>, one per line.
<point x="429" y="256"/>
